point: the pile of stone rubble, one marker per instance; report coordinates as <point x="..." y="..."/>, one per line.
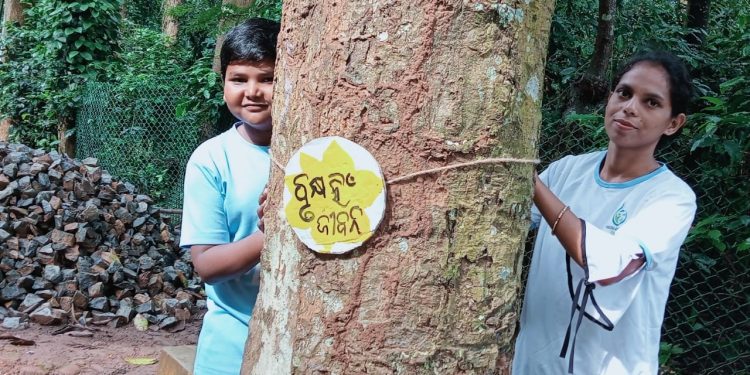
<point x="78" y="246"/>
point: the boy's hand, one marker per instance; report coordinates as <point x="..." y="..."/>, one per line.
<point x="262" y="207"/>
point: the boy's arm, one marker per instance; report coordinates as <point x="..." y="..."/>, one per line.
<point x="262" y="208"/>
<point x="216" y="263"/>
<point x="204" y="226"/>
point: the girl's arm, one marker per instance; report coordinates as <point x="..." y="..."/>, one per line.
<point x="216" y="263"/>
<point x="568" y="229"/>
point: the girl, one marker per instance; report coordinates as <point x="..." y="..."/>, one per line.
<point x="614" y="221"/>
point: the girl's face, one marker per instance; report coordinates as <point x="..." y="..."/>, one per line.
<point x="639" y="110"/>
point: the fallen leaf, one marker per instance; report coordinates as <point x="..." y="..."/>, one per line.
<point x="141" y="361"/>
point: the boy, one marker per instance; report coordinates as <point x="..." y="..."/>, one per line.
<point x="223" y="180"/>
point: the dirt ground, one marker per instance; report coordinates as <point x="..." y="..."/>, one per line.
<point x="105" y="352"/>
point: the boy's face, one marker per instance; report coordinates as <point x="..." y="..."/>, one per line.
<point x="248" y="92"/>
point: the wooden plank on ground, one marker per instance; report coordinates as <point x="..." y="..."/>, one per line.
<point x="176" y="360"/>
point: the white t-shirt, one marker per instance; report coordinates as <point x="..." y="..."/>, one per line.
<point x="619" y="334"/>
<point x="223" y="181"/>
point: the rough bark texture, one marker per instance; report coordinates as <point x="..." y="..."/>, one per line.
<point x="4" y="129"/>
<point x="169" y="24"/>
<point x="67" y="145"/>
<point x="697" y="19"/>
<point x="592" y="87"/>
<point x="421" y="84"/>
<point x="12" y="12"/>
<point x="216" y="66"/>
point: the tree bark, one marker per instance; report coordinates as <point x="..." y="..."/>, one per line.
<point x="220" y="38"/>
<point x="12" y="12"/>
<point x="697" y="20"/>
<point x="67" y="145"/>
<point x="5" y="129"/>
<point x="420" y="84"/>
<point x="169" y="24"/>
<point x="593" y="87"/>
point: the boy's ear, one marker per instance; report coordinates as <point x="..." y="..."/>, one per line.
<point x="675" y="124"/>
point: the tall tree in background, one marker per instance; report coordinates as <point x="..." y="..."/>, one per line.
<point x="220" y="38"/>
<point x="12" y="13"/>
<point x="169" y="24"/>
<point x="420" y="84"/>
<point x="592" y="86"/>
<point x="697" y="20"/>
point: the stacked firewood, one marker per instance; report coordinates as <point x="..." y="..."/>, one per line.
<point x="79" y="246"/>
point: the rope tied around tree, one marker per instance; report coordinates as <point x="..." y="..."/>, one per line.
<point x="487" y="161"/>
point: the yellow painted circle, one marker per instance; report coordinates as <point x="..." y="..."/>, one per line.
<point x="334" y="194"/>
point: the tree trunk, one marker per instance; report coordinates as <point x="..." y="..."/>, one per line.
<point x="420" y="84"/>
<point x="12" y="12"/>
<point x="4" y="129"/>
<point x="697" y="20"/>
<point x="220" y="38"/>
<point x="67" y="145"/>
<point x="169" y="24"/>
<point x="593" y="87"/>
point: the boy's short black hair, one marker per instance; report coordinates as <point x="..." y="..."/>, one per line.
<point x="251" y="41"/>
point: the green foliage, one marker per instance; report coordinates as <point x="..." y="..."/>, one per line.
<point x="79" y="32"/>
<point x="212" y="17"/>
<point x="145" y="13"/>
<point x="145" y="52"/>
<point x="61" y="44"/>
<point x="270" y="9"/>
<point x="203" y="95"/>
<point x="667" y="351"/>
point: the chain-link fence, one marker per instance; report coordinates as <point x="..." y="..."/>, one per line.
<point x="136" y="136"/>
<point x="707" y="321"/>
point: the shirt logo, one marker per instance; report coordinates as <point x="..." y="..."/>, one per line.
<point x="618" y="218"/>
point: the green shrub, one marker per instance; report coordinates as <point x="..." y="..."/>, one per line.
<point x="61" y="44"/>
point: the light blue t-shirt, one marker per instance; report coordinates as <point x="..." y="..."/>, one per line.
<point x="223" y="181"/>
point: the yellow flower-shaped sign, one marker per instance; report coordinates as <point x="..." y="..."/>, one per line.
<point x="334" y="194"/>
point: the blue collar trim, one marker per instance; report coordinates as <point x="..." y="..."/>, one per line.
<point x="626" y="184"/>
<point x="236" y="135"/>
